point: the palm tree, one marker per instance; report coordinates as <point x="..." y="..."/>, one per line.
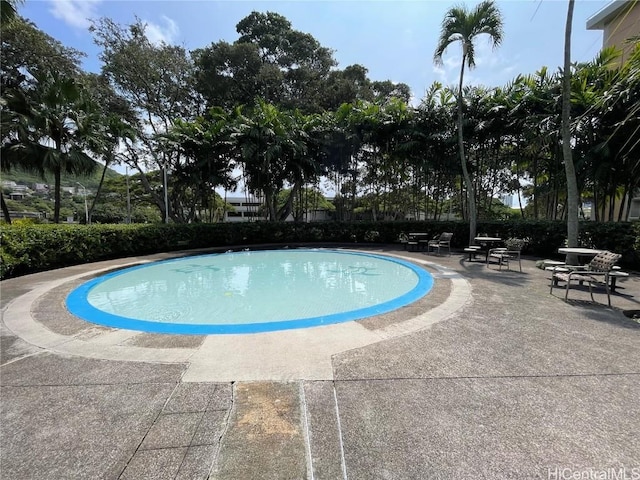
<point x="569" y="168"/>
<point x="60" y="125"/>
<point x="462" y="25"/>
<point x="270" y="144"/>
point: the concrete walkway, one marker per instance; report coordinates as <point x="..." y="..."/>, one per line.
<point x="488" y="376"/>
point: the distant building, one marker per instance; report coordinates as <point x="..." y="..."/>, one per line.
<point x="16" y="190"/>
<point x="251" y="209"/>
<point x="508" y="199"/>
<point x="245" y="209"/>
<point x="317" y="215"/>
<point x="620" y="22"/>
<point x="15" y="215"/>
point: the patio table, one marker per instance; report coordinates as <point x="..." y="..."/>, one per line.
<point x="416" y="238"/>
<point x="487" y="244"/>
<point x="579" y="252"/>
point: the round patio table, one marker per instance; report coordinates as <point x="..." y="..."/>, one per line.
<point x="580" y="253"/>
<point x="487" y="244"/>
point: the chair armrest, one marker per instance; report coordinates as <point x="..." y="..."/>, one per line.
<point x="589" y="273"/>
<point x="556" y="269"/>
<point x="564" y="268"/>
<point x="580" y="268"/>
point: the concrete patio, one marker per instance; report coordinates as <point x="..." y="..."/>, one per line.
<point x="488" y="376"/>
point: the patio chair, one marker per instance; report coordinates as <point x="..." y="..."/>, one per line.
<point x="504" y="256"/>
<point x="597" y="271"/>
<point x="438" y="243"/>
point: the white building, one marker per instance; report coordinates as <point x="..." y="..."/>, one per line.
<point x="245" y="209"/>
<point x="251" y="209"/>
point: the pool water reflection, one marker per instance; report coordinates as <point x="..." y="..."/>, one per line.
<point x="249" y="292"/>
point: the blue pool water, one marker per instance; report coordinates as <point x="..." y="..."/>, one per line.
<point x="249" y="292"/>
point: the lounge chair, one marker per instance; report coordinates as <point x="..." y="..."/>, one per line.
<point x="597" y="271"/>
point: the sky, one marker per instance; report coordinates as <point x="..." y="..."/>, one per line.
<point x="394" y="40"/>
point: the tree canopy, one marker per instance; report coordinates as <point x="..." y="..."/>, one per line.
<point x="274" y="113"/>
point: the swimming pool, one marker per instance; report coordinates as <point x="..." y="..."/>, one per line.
<point x="250" y="292"/>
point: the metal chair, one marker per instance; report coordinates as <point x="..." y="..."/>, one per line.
<point x="597" y="271"/>
<point x="443" y="241"/>
<point x="504" y="257"/>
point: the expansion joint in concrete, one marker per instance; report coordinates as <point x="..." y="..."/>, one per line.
<point x="225" y="427"/>
<point x="155" y="419"/>
<point x="343" y="461"/>
<point x="305" y="428"/>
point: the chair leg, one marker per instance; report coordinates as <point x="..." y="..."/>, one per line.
<point x="591" y="291"/>
<point x="606" y="286"/>
<point x="566" y="293"/>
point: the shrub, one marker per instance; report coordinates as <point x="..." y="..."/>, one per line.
<point x="27" y="248"/>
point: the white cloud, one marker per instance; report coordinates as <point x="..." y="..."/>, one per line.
<point x="486" y="56"/>
<point x="441" y="74"/>
<point x="448" y="73"/>
<point x="492" y="68"/>
<point x="75" y="13"/>
<point x="166" y="33"/>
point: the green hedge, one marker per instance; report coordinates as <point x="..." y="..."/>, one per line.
<point x="28" y="248"/>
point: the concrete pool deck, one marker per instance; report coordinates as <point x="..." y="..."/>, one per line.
<point x="488" y="376"/>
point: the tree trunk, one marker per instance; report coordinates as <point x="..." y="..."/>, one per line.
<point x="5" y="209"/>
<point x="612" y="205"/>
<point x="287" y="208"/>
<point x="95" y="198"/>
<point x="625" y="204"/>
<point x="572" y="184"/>
<point x="471" y="196"/>
<point x="270" y="201"/>
<point x="535" y="187"/>
<point x="149" y="190"/>
<point x="56" y="194"/>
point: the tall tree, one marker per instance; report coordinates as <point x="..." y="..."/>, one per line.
<point x="28" y="51"/>
<point x="569" y="168"/>
<point x="464" y="26"/>
<point x="46" y="115"/>
<point x="231" y="74"/>
<point x="209" y="157"/>
<point x="271" y="144"/>
<point x="63" y="122"/>
<point x="116" y="123"/>
<point x="270" y="60"/>
<point x="157" y="81"/>
<point x="55" y="130"/>
<point x="301" y="61"/>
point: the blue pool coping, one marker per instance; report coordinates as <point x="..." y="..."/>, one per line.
<point x="77" y="304"/>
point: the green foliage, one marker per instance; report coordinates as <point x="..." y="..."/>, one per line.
<point x="22" y="177"/>
<point x="383" y="159"/>
<point x="25" y="47"/>
<point x="26" y="247"/>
